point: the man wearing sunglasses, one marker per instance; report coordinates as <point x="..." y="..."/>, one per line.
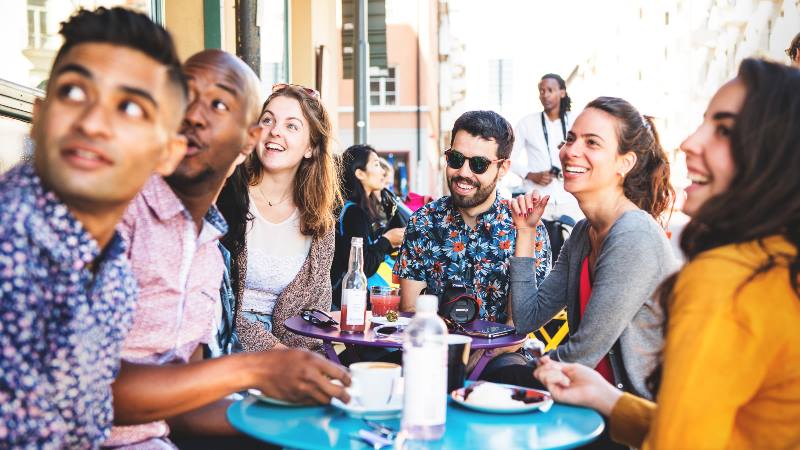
<point x="467" y="238"/>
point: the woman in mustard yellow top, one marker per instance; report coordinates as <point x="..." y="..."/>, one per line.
<point x="730" y="371"/>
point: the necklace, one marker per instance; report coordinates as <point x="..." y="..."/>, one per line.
<point x="285" y="197"/>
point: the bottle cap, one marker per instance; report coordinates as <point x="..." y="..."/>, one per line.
<point x="357" y="241"/>
<point x="427" y="303"/>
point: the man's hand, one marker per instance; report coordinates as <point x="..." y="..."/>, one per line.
<point x="299" y="376"/>
<point x="542" y="178"/>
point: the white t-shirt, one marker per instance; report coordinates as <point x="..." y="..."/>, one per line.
<point x="275" y="254"/>
<point x="532" y="153"/>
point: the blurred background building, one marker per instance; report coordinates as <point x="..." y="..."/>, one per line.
<point x="434" y="59"/>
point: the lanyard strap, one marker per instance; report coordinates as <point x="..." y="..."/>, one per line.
<point x="547" y="137"/>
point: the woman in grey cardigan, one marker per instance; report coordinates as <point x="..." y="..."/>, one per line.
<point x="609" y="268"/>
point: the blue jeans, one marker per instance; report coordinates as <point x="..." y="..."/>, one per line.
<point x="264" y="319"/>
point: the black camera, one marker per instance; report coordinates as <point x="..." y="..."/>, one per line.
<point x="458" y="304"/>
<point x="555" y="171"/>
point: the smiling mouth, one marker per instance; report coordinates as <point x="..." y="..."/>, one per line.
<point x="575" y="169"/>
<point x="463" y="187"/>
<point x="273" y="147"/>
<point x="698" y="179"/>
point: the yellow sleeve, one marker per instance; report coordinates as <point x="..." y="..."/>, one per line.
<point x="713" y="356"/>
<point x="630" y="419"/>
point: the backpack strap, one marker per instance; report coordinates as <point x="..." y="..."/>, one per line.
<point x="347" y="204"/>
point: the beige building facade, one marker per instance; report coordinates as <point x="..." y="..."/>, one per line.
<point x="299" y="44"/>
<point x="404" y="100"/>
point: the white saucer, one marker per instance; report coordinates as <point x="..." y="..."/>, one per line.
<point x="401" y="321"/>
<point x="458" y="396"/>
<point x="271" y="400"/>
<point x="391" y="410"/>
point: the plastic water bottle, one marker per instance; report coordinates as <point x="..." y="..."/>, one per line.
<point x="425" y="373"/>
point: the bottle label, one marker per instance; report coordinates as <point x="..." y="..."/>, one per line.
<point x="356" y="301"/>
<point x="425" y="374"/>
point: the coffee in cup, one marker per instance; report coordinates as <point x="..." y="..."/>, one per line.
<point x="375" y="384"/>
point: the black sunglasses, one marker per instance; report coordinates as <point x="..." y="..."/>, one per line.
<point x="317" y="317"/>
<point x="388" y="330"/>
<point x="453" y="326"/>
<point x="477" y="164"/>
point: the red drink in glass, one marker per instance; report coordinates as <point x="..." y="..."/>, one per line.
<point x="343" y="326"/>
<point x="384" y="299"/>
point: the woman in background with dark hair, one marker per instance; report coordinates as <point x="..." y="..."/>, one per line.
<point x="730" y="373"/>
<point x="279" y="207"/>
<point x="608" y="270"/>
<point x="363" y="179"/>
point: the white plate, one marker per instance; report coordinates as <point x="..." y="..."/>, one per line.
<point x="394" y="409"/>
<point x="272" y="401"/>
<point x="544" y="405"/>
<point x="380" y="320"/>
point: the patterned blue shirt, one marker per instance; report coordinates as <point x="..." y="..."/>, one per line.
<point x="61" y="324"/>
<point x="440" y="248"/>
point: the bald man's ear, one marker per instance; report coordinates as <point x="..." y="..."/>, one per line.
<point x="253" y="136"/>
<point x="172" y="156"/>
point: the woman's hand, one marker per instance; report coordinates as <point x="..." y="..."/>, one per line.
<point x="395" y="236"/>
<point x="528" y="210"/>
<point x="578" y="385"/>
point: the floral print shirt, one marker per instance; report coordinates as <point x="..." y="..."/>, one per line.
<point x="440" y="248"/>
<point x="61" y="323"/>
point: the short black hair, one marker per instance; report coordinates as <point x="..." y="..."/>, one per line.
<point x="566" y="103"/>
<point x="487" y="125"/>
<point x="127" y="28"/>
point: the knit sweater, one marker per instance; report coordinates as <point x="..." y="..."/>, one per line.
<point x="622" y="319"/>
<point x="311" y="288"/>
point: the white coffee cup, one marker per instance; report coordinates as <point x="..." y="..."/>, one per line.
<point x="375" y="384"/>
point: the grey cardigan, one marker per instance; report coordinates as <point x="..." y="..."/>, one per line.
<point x="622" y="319"/>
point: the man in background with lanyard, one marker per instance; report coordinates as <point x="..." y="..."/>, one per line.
<point x="535" y="155"/>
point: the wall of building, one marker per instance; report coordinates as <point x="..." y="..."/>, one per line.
<point x="393" y="128"/>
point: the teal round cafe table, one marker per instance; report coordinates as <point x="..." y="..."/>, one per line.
<point x="325" y="427"/>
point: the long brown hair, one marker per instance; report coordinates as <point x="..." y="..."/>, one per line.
<point x="316" y="184"/>
<point x="647" y="185"/>
<point x="762" y="199"/>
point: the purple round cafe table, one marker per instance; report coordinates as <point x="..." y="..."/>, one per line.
<point x="368" y="338"/>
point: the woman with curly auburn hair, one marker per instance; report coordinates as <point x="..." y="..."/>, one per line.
<point x="729" y="371"/>
<point x="279" y="206"/>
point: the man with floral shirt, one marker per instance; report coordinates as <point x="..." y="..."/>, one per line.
<point x="110" y="119"/>
<point x="468" y="237"/>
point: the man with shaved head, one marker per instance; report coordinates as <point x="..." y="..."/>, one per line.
<point x="172" y="229"/>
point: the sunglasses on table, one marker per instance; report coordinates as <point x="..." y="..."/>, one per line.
<point x="477" y="164"/>
<point x="312" y="92"/>
<point x="453" y="326"/>
<point x="318" y="318"/>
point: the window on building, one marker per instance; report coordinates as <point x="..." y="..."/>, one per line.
<point x="383" y="86"/>
<point x="500" y="79"/>
<point x="29" y="32"/>
<point x="273" y="42"/>
<point x="37" y="24"/>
